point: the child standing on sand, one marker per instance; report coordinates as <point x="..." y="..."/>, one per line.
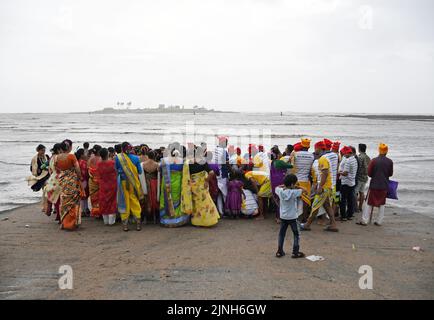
<point x="289" y="194"/>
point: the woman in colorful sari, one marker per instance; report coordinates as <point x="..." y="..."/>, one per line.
<point x="107" y="177"/>
<point x="39" y="169"/>
<point x="150" y="167"/>
<point x="204" y="213"/>
<point x="40" y="174"/>
<point x="69" y="179"/>
<point x="175" y="194"/>
<point x="82" y="162"/>
<point x="93" y="181"/>
<point x="130" y="189"/>
<point x="52" y="189"/>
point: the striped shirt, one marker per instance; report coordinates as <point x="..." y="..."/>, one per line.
<point x="334" y="162"/>
<point x="349" y="165"/>
<point x="302" y="165"/>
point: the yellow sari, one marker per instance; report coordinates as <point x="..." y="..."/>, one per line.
<point x="130" y="190"/>
<point x="204" y="212"/>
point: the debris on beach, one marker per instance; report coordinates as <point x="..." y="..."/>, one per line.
<point x="5" y="219"/>
<point x="314" y="258"/>
<point x="418" y="249"/>
<point x="27" y="226"/>
<point x="354" y="247"/>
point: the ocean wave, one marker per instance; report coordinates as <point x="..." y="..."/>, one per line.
<point x="14" y="164"/>
<point x="414" y="160"/>
<point x="416" y="191"/>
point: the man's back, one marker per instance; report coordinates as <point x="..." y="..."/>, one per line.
<point x="334" y="162"/>
<point x="302" y="164"/>
<point x="380" y="169"/>
<point x="363" y="167"/>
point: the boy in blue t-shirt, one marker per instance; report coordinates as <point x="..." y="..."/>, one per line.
<point x="289" y="194"/>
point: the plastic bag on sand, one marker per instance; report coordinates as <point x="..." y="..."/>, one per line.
<point x="314" y="258"/>
<point x="417" y="249"/>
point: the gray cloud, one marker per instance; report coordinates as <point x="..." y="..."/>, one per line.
<point x="251" y="55"/>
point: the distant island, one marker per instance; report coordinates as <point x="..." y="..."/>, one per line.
<point x="160" y="109"/>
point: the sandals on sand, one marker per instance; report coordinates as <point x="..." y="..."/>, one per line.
<point x="361" y="223"/>
<point x="304" y="228"/>
<point x="125" y="228"/>
<point x="298" y="255"/>
<point x="280" y="254"/>
<point x="139" y="226"/>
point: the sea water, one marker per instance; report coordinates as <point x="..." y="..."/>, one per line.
<point x="410" y="142"/>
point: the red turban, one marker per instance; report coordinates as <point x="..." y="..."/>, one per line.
<point x="328" y="143"/>
<point x="346" y="150"/>
<point x="298" y="147"/>
<point x="320" y="145"/>
<point x="335" y="146"/>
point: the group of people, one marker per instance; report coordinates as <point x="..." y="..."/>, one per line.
<point x="178" y="184"/>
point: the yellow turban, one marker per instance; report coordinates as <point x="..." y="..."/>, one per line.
<point x="305" y="142"/>
<point x="383" y="148"/>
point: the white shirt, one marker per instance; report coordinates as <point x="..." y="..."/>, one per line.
<point x="349" y="165"/>
<point x="303" y="161"/>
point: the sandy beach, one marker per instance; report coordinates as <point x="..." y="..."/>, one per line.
<point x="234" y="260"/>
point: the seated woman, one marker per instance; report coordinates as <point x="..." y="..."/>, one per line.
<point x="249" y="206"/>
<point x="235" y="194"/>
<point x="262" y="181"/>
<point x="204" y="210"/>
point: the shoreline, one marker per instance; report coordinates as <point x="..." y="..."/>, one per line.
<point x="390" y="206"/>
<point x="234" y="260"/>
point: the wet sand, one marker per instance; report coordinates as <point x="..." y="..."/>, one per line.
<point x="234" y="260"/>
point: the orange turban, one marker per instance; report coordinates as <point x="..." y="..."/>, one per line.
<point x="305" y="142"/>
<point x="383" y="148"/>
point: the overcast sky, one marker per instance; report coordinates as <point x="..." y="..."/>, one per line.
<point x="244" y="55"/>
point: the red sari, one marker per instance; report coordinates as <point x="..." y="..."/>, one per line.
<point x="84" y="177"/>
<point x="107" y="177"/>
<point x="94" y="186"/>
